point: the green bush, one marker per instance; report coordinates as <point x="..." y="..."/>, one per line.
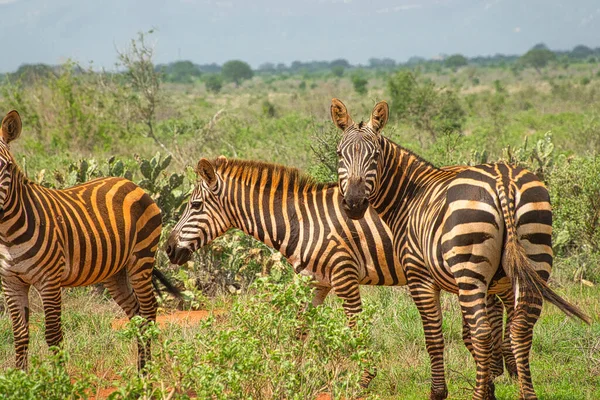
<point x="428" y="108"/>
<point x="255" y="353"/>
<point x="213" y="83"/>
<point x="360" y="82"/>
<point x="575" y="193"/>
<point x="45" y="380"/>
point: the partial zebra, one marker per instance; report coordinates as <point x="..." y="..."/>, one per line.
<point x="106" y="230"/>
<point x="471" y="231"/>
<point x="305" y="222"/>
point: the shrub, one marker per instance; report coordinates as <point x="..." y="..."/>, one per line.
<point x="424" y="105"/>
<point x="45" y="380"/>
<point x="255" y="353"/>
<point x="575" y="194"/>
<point x="338" y="70"/>
<point x="268" y="109"/>
<point x="213" y="83"/>
<point x="360" y="83"/>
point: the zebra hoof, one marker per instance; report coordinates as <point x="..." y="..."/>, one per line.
<point x="512" y="371"/>
<point x="367" y="377"/>
<point x="440" y="394"/>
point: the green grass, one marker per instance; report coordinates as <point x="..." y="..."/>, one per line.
<point x="565" y="358"/>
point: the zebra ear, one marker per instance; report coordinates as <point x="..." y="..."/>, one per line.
<point x="221" y="160"/>
<point x="379" y="116"/>
<point x="207" y="172"/>
<point x="339" y="115"/>
<point x="11" y="126"/>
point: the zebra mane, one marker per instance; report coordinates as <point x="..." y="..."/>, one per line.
<point x="294" y="175"/>
<point x="411" y="153"/>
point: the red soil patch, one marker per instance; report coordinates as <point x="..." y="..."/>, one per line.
<point x="181" y="318"/>
<point x="102" y="393"/>
<point x="327" y="396"/>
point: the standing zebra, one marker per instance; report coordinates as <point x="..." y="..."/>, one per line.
<point x="305" y="222"/>
<point x="106" y="230"/>
<point x="471" y="231"/>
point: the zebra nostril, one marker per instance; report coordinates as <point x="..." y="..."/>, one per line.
<point x="169" y="250"/>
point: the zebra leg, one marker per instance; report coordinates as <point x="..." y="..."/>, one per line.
<point x="140" y="276"/>
<point x="473" y="302"/>
<point x="319" y="295"/>
<point x="17" y="300"/>
<point x="346" y="287"/>
<point x="495" y="312"/>
<point x="122" y="293"/>
<point x="527" y="313"/>
<point x="427" y="299"/>
<point x="509" y="359"/>
<point x="51" y="294"/>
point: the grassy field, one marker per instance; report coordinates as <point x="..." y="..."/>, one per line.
<point x="565" y="359"/>
<point x="548" y="122"/>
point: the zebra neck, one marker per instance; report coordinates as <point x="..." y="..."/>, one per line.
<point x="402" y="177"/>
<point x="271" y="214"/>
<point x="18" y="207"/>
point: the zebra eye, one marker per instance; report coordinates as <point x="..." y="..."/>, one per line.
<point x="339" y="153"/>
<point x="196" y="204"/>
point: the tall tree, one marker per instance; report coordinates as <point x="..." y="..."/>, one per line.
<point x="538" y="58"/>
<point x="455" y="61"/>
<point x="236" y="71"/>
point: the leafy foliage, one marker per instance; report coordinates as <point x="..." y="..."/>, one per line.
<point x="236" y="71"/>
<point x="360" y="82"/>
<point x="181" y="72"/>
<point x="46" y="380"/>
<point x="455" y="61"/>
<point x="575" y="191"/>
<point x="538" y="58"/>
<point x="165" y="189"/>
<point x="213" y="83"/>
<point x="255" y="352"/>
<point x="422" y="104"/>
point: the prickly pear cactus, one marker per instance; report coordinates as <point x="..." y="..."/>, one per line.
<point x="86" y="170"/>
<point x="166" y="189"/>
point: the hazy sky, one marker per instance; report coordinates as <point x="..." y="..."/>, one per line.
<point x="206" y="31"/>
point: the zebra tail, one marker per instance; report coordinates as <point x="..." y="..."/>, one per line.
<point x="526" y="282"/>
<point x="157" y="277"/>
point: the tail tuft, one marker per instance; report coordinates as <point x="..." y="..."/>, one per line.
<point x="527" y="282"/>
<point x="157" y="277"/>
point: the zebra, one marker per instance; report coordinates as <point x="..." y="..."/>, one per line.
<point x="471" y="231"/>
<point x="303" y="220"/>
<point x="106" y="230"/>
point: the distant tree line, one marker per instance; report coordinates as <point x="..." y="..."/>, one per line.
<point x="236" y="71"/>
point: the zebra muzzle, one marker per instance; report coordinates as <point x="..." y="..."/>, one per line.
<point x="355" y="208"/>
<point x="178" y="255"/>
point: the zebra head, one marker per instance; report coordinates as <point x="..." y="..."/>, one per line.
<point x="204" y="218"/>
<point x="358" y="154"/>
<point x="11" y="129"/>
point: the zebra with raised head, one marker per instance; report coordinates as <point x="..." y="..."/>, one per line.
<point x="305" y="222"/>
<point x="106" y="230"/>
<point x="471" y="231"/>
